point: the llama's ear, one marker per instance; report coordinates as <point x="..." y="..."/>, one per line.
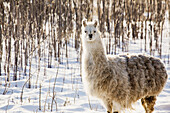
<point x="85" y="23"/>
<point x="95" y="23"/>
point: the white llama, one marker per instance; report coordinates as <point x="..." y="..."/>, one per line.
<point x="119" y="81"/>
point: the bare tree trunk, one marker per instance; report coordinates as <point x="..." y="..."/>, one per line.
<point x="0" y="49"/>
<point x="99" y="13"/>
<point x="59" y="28"/>
<point x="16" y="43"/>
<point x="1" y="31"/>
<point x="40" y="97"/>
<point x="54" y="93"/>
<point x="103" y="18"/>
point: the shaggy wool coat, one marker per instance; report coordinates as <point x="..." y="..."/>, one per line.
<point x="124" y="78"/>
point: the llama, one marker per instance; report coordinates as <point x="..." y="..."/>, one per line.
<point x="119" y="81"/>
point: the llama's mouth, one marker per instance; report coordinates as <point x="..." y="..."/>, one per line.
<point x="90" y="40"/>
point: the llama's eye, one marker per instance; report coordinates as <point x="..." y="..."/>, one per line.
<point x="94" y="31"/>
<point x="85" y="31"/>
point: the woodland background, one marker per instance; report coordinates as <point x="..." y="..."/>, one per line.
<point x="36" y="33"/>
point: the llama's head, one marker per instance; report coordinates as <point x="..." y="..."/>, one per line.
<point x="89" y="31"/>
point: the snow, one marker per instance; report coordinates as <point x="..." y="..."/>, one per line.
<point x="70" y="96"/>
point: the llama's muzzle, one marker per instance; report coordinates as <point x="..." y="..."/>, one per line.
<point x="90" y="36"/>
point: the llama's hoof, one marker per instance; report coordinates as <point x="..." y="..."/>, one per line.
<point x="115" y="112"/>
<point x="108" y="112"/>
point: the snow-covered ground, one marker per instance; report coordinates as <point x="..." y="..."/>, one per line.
<point x="69" y="94"/>
<point x="63" y="83"/>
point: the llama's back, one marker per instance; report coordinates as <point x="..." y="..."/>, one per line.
<point x="146" y="75"/>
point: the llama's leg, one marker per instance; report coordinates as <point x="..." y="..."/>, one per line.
<point x="108" y="104"/>
<point x="144" y="104"/>
<point x="148" y="103"/>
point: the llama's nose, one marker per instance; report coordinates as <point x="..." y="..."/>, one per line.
<point x="90" y="36"/>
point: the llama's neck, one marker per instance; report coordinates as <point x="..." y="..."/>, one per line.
<point x="99" y="57"/>
<point x="94" y="52"/>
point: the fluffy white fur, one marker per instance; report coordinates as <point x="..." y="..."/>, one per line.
<point x="119" y="81"/>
